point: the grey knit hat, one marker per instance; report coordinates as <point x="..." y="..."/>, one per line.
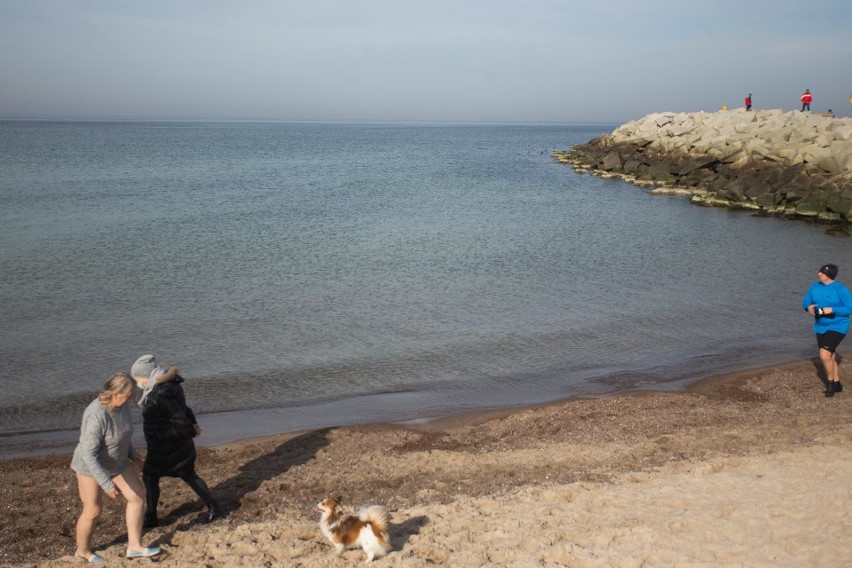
<point x="143" y="366"/>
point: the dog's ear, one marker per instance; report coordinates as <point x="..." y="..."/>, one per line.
<point x="338" y="499"/>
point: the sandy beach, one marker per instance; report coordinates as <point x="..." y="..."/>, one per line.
<point x="749" y="469"/>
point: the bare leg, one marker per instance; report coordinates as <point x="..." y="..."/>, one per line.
<point x="829" y="363"/>
<point x="134" y="492"/>
<point x="90" y="495"/>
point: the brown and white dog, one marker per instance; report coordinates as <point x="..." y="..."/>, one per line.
<point x="369" y="529"/>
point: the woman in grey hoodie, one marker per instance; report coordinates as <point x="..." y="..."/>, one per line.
<point x="102" y="462"/>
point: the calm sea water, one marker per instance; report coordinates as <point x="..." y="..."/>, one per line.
<point x="304" y="275"/>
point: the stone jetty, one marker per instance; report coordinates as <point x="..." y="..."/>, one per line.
<point x="791" y="164"/>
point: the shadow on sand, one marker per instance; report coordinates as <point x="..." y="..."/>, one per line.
<point x="294" y="452"/>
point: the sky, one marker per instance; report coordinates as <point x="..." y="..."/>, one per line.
<point x="531" y="61"/>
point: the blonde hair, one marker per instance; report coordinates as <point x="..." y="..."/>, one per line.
<point x="119" y="383"/>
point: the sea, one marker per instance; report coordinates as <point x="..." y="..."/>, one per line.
<point x="307" y="275"/>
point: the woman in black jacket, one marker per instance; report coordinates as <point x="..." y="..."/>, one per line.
<point x="169" y="426"/>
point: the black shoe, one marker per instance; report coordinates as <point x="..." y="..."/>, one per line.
<point x="215" y="513"/>
<point x="150" y="523"/>
<point x="829" y="390"/>
<point x="838" y="387"/>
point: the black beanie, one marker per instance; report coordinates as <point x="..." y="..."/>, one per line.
<point x="829" y="270"/>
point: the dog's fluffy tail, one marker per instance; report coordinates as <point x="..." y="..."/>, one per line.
<point x="377" y="515"/>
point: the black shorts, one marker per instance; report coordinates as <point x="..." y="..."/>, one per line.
<point x="829" y="340"/>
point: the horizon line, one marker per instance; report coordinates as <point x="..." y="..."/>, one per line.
<point x="435" y="122"/>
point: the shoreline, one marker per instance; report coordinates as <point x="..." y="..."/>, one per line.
<point x="67" y="439"/>
<point x="454" y="483"/>
<point x="239" y="426"/>
<point x="411" y="406"/>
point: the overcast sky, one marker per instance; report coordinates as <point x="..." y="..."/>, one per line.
<point x="432" y="60"/>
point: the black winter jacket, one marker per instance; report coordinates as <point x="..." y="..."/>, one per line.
<point x="169" y="426"/>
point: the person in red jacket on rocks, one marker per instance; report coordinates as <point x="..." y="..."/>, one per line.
<point x="807" y="97"/>
<point x="748" y="102"/>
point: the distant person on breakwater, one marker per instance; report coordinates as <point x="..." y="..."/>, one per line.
<point x="169" y="426"/>
<point x="102" y="462"/>
<point x="806" y="99"/>
<point x="830" y="302"/>
<point x="748" y="101"/>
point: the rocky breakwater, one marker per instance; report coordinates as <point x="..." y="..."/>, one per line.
<point x="792" y="164"/>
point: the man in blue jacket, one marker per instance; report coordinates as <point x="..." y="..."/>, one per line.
<point x="830" y="303"/>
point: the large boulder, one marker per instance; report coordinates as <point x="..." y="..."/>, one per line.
<point x="781" y="163"/>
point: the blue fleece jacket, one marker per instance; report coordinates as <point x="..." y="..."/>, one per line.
<point x="837" y="297"/>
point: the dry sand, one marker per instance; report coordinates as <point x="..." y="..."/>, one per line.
<point x="751" y="469"/>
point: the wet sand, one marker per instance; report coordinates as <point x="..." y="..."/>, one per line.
<point x="748" y="469"/>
